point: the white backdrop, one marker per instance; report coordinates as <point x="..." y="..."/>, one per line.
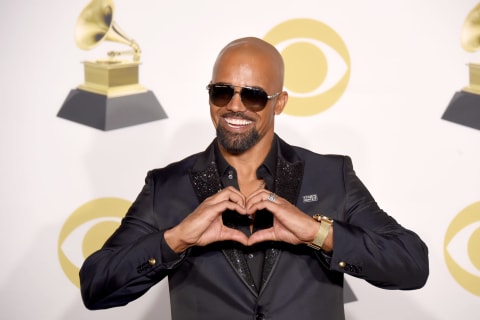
<point x="406" y="64"/>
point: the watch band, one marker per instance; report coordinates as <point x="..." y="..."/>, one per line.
<point x="322" y="233"/>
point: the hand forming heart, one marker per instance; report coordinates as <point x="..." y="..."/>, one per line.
<point x="205" y="225"/>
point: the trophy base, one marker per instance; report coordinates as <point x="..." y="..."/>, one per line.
<point x="108" y="113"/>
<point x="464" y="109"/>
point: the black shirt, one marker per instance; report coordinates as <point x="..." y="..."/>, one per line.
<point x="255" y="254"/>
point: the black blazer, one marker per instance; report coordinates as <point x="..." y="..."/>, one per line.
<point x="213" y="282"/>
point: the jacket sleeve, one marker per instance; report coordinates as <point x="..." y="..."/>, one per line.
<point x="131" y="261"/>
<point x="371" y="245"/>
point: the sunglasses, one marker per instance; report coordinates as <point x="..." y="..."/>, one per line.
<point x="254" y="99"/>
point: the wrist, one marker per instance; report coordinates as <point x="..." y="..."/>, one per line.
<point x="173" y="241"/>
<point x="324" y="236"/>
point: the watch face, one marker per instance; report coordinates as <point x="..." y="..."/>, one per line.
<point x="321" y="218"/>
<point x="327" y="219"/>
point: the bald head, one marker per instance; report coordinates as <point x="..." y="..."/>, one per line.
<point x="250" y="57"/>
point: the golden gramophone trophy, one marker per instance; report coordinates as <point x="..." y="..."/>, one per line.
<point x="464" y="108"/>
<point x="111" y="97"/>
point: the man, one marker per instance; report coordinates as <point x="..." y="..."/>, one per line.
<point x="232" y="227"/>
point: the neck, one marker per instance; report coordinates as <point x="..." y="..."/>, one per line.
<point x="247" y="163"/>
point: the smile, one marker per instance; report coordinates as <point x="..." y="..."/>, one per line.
<point x="235" y="122"/>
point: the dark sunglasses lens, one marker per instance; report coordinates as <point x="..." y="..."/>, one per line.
<point x="221" y="95"/>
<point x="253" y="98"/>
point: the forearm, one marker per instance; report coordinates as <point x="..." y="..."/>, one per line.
<point x="392" y="259"/>
<point x="120" y="273"/>
<point x="370" y="244"/>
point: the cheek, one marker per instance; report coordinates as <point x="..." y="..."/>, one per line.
<point x="267" y="121"/>
<point x="214" y="116"/>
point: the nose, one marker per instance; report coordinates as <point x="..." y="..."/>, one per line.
<point x="236" y="103"/>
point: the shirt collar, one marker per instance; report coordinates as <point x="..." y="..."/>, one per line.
<point x="266" y="168"/>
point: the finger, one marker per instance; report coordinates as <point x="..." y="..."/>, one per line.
<point x="231" y="194"/>
<point x="263" y="194"/>
<point x="234" y="235"/>
<point x="260" y="202"/>
<point x="261" y="236"/>
<point x="219" y="208"/>
<point x="207" y="213"/>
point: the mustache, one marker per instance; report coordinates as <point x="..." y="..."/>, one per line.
<point x="238" y="115"/>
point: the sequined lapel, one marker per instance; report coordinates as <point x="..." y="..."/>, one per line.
<point x="237" y="260"/>
<point x="288" y="179"/>
<point x="206" y="183"/>
<point x="287" y="185"/>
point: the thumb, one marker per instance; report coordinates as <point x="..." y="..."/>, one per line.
<point x="262" y="236"/>
<point x="234" y="235"/>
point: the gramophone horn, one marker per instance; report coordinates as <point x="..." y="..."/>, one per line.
<point x="95" y="24"/>
<point x="471" y="30"/>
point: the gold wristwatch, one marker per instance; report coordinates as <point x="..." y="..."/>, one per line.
<point x="322" y="233"/>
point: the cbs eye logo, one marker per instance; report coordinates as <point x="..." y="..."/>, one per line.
<point x="462" y="248"/>
<point x="86" y="230"/>
<point x="317" y="64"/>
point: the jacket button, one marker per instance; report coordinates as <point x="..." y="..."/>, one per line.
<point x="152" y="261"/>
<point x="342" y="264"/>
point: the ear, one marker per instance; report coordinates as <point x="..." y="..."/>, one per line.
<point x="282" y="100"/>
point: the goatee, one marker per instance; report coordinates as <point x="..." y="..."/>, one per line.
<point x="237" y="143"/>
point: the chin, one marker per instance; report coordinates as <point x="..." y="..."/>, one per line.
<point x="236" y="143"/>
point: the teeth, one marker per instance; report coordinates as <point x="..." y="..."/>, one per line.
<point x="237" y="122"/>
